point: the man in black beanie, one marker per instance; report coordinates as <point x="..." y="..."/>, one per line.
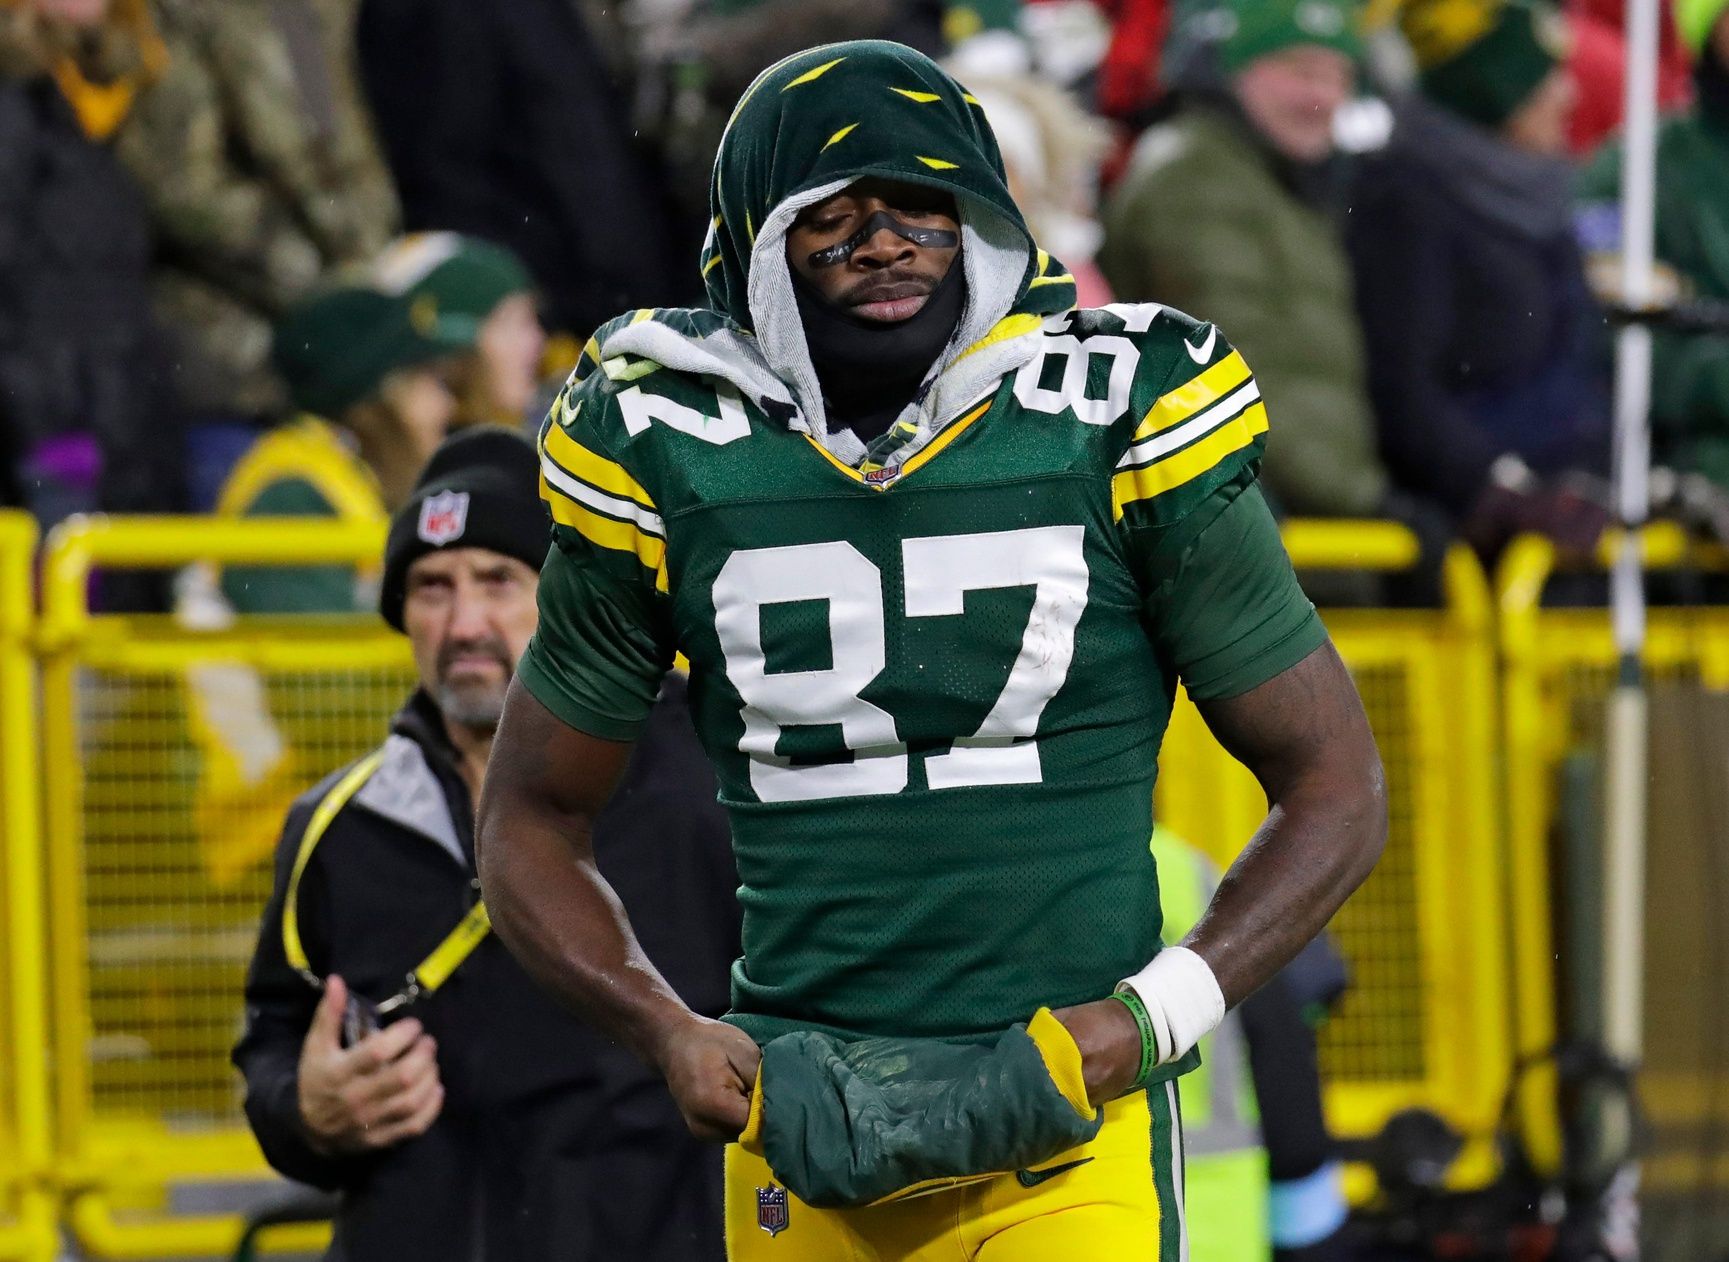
<point x="394" y="1051"/>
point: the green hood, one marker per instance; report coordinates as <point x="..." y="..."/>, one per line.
<point x="815" y="122"/>
<point x="805" y="129"/>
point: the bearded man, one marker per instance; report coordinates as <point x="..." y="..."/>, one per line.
<point x="394" y="1051"/>
<point x="938" y="548"/>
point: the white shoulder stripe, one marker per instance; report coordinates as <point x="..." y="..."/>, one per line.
<point x="600" y="501"/>
<point x="1196" y="426"/>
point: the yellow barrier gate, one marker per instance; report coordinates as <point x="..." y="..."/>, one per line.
<point x="1426" y="1020"/>
<point x="170" y="757"/>
<point x="27" y="1230"/>
<point x="1559" y="666"/>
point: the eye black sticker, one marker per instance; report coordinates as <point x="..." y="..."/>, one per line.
<point x="928" y="238"/>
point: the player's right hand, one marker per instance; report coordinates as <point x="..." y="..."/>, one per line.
<point x="710" y="1068"/>
<point x="379" y="1092"/>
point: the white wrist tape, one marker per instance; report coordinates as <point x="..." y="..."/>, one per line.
<point x="1181" y="996"/>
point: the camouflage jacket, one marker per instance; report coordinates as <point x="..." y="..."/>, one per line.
<point x="257" y="158"/>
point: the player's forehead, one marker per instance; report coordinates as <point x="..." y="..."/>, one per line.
<point x="903" y="195"/>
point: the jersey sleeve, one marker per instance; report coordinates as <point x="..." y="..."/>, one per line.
<point x="1204" y="427"/>
<point x="605" y="639"/>
<point x="1221" y="602"/>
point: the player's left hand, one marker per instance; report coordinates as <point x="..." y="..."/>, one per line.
<point x="1110" y="1044"/>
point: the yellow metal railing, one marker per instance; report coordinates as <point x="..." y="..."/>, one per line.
<point x="1558" y="666"/>
<point x="170" y="756"/>
<point x="131" y="896"/>
<point x="1426" y="1021"/>
<point x="27" y="1231"/>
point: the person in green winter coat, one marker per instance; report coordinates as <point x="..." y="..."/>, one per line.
<point x="1226" y="208"/>
<point x="1690" y="371"/>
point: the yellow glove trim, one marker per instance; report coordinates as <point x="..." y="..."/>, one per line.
<point x="750" y="1139"/>
<point x="1062" y="1057"/>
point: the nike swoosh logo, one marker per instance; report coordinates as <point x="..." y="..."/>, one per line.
<point x="1205" y="351"/>
<point x="1032" y="1178"/>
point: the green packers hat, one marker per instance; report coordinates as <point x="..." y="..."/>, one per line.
<point x="463" y="278"/>
<point x="1696" y="19"/>
<point x="334" y="348"/>
<point x="1482" y="59"/>
<point x="1244" y="30"/>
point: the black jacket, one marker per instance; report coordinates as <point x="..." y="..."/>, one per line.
<point x="76" y="342"/>
<point x="553" y="1142"/>
<point x="500" y="119"/>
<point x="1479" y="325"/>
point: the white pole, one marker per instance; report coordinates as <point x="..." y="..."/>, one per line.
<point x="1624" y="832"/>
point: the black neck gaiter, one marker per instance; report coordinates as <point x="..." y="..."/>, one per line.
<point x="870" y="370"/>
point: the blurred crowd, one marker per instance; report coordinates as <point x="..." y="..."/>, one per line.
<point x="261" y="256"/>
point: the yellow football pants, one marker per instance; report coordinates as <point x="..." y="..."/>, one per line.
<point x="1114" y="1198"/>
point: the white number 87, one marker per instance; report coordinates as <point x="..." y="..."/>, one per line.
<point x="940" y="570"/>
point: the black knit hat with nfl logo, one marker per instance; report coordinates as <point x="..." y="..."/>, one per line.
<point x="481" y="489"/>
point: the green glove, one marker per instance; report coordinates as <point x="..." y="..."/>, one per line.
<point x="845" y="1124"/>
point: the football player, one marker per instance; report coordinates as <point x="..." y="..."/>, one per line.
<point x="938" y="548"/>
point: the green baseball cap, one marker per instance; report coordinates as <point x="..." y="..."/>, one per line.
<point x="334" y="348"/>
<point x="465" y="276"/>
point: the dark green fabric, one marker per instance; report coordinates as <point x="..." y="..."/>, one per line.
<point x="1260" y="27"/>
<point x="600" y="648"/>
<point x="1201" y="221"/>
<point x="469" y="284"/>
<point x="786" y="137"/>
<point x="1488" y="79"/>
<point x="848" y="1123"/>
<point x="1226" y="607"/>
<point x="335" y="348"/>
<point x="278" y="589"/>
<point x="895" y="908"/>
<point x="1689" y="372"/>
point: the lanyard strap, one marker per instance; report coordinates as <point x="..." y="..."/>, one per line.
<point x="430" y="973"/>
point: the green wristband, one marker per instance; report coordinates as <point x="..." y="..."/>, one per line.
<point x="1149" y="1042"/>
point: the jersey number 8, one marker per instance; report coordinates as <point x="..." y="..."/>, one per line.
<point x="939" y="571"/>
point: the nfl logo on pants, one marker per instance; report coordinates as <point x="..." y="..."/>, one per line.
<point x="771" y="1209"/>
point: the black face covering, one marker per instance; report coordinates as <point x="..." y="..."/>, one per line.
<point x="870" y="369"/>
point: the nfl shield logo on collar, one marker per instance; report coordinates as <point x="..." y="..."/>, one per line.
<point x="771" y="1209"/>
<point x="443" y="517"/>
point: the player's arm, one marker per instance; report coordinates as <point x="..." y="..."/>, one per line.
<point x="1304" y="735"/>
<point x="545" y="786"/>
<point x="1224" y="609"/>
<point x="583" y="689"/>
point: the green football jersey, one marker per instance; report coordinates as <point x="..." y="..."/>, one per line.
<point x="933" y="692"/>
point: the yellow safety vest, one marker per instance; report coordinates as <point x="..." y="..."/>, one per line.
<point x="1225" y="1181"/>
<point x="306" y="449"/>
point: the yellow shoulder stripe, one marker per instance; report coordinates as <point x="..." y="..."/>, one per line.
<point x="1188" y="464"/>
<point x="597" y="471"/>
<point x="923" y="98"/>
<point x="606" y="532"/>
<point x="1206" y="388"/>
